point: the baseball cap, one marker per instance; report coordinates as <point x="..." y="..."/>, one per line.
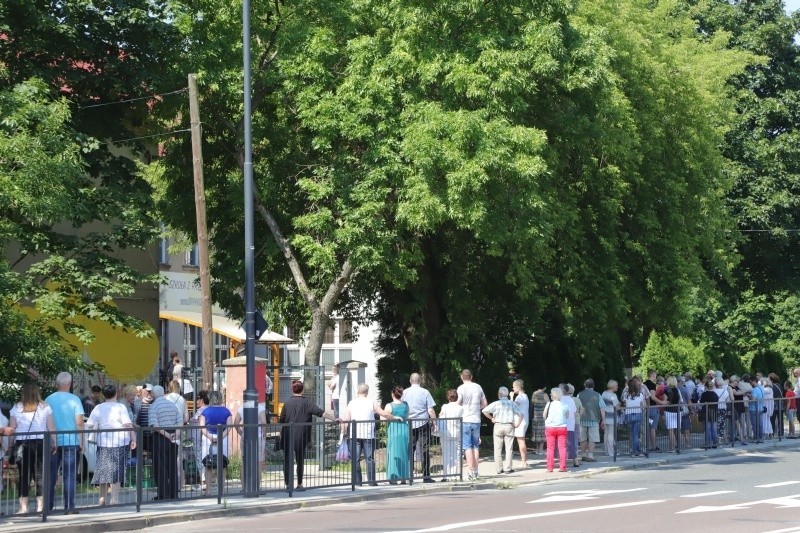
<point x="148" y="387"/>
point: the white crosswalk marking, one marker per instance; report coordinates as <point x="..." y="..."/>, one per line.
<point x="700" y="495"/>
<point x="579" y="495"/>
<point x="782" y="502"/>
<point x="472" y="524"/>
<point x="781" y="484"/>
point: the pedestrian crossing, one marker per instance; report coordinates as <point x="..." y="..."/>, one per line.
<point x="781" y="502"/>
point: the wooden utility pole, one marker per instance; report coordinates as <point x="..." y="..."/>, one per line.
<point x="202" y="234"/>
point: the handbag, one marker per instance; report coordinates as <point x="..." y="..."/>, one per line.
<point x="18" y="449"/>
<point x="15" y="458"/>
<point x="211" y="461"/>
<point x="343" y="452"/>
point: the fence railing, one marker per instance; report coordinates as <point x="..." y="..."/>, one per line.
<point x="134" y="467"/>
<point x="638" y="431"/>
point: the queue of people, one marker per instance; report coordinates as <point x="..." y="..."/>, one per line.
<point x="565" y="426"/>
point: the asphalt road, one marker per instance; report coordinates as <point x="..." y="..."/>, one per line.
<point x="750" y="493"/>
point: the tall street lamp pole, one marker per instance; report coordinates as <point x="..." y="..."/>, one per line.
<point x="250" y="400"/>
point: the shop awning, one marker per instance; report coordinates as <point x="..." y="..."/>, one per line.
<point x="222" y="325"/>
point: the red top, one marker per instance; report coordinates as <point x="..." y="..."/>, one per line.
<point x="791" y="402"/>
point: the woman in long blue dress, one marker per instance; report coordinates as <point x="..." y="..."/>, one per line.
<point x="397" y="464"/>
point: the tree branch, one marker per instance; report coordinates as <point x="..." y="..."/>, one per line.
<point x="337" y="286"/>
<point x="288" y="254"/>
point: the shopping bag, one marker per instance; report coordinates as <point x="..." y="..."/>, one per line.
<point x="343" y="452"/>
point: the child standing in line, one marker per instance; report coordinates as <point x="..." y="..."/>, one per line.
<point x="791" y="406"/>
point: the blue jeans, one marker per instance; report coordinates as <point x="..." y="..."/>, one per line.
<point x="471" y="435"/>
<point x="367" y="446"/>
<point x="68" y="456"/>
<point x="653" y="415"/>
<point x="635" y="427"/>
<point x="755" y="423"/>
<point x="711" y="432"/>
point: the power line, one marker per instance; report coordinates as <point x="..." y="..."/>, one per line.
<point x="776" y="230"/>
<point x="115" y="141"/>
<point x="179" y="91"/>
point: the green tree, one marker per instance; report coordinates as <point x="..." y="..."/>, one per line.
<point x="71" y="202"/>
<point x="634" y="217"/>
<point x="751" y="318"/>
<point x="673" y="355"/>
<point x="514" y="163"/>
<point x="45" y="195"/>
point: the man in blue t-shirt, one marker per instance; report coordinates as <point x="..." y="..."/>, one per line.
<point x="68" y="420"/>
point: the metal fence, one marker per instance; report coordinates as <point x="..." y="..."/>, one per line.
<point x="134" y="467"/>
<point x="640" y="431"/>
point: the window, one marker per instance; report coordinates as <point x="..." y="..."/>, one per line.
<point x="345" y="355"/>
<point x="192" y="257"/>
<point x="293" y="357"/>
<point x="292" y="332"/>
<point x="221" y="349"/>
<point x="327" y="357"/>
<point x="190" y="337"/>
<point x="163" y="247"/>
<point x="330" y="336"/>
<point x="163" y="251"/>
<point x="345" y="332"/>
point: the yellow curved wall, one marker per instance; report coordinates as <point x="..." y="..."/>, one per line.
<point x="124" y="356"/>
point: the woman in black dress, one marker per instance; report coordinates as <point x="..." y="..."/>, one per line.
<point x="297" y="410"/>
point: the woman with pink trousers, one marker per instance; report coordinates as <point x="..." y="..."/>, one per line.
<point x="555" y="430"/>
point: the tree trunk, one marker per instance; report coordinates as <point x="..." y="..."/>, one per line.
<point x="319" y="323"/>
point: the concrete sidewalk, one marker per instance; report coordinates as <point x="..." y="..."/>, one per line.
<point x="154" y="514"/>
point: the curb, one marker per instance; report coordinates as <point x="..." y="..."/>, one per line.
<point x="256" y="508"/>
<point x="259" y="507"/>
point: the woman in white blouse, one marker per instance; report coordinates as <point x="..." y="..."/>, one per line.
<point x="555" y="430"/>
<point x="30" y="419"/>
<point x="112" y="445"/>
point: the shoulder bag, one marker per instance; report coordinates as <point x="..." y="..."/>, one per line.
<point x="17" y="451"/>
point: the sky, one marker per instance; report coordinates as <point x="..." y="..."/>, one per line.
<point x="792" y="5"/>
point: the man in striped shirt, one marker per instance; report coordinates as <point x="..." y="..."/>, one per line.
<point x="506" y="415"/>
<point x="165" y="417"/>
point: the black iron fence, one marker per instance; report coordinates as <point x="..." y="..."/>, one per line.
<point x="134" y="467"/>
<point x="640" y="431"/>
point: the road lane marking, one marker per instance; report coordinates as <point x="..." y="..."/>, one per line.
<point x="578" y="495"/>
<point x="707" y="494"/>
<point x="781" y="484"/>
<point x="787" y="530"/>
<point x="783" y="502"/>
<point x="459" y="525"/>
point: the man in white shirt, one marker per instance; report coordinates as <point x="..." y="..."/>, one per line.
<point x="177" y="370"/>
<point x="333" y="386"/>
<point x="472" y="399"/>
<point x="268" y="385"/>
<point x="420" y="407"/>
<point x="187" y="389"/>
<point x="361" y="410"/>
<point x="796" y="374"/>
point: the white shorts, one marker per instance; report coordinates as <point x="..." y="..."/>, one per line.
<point x="671" y="420"/>
<point x="521" y="430"/>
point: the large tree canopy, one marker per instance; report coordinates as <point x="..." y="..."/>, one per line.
<point x="495" y="169"/>
<point x="751" y="323"/>
<point x="70" y="199"/>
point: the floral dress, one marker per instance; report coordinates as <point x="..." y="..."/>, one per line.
<point x="539" y="400"/>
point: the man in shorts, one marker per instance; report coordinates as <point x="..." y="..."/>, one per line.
<point x="473" y="400"/>
<point x="591" y="420"/>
